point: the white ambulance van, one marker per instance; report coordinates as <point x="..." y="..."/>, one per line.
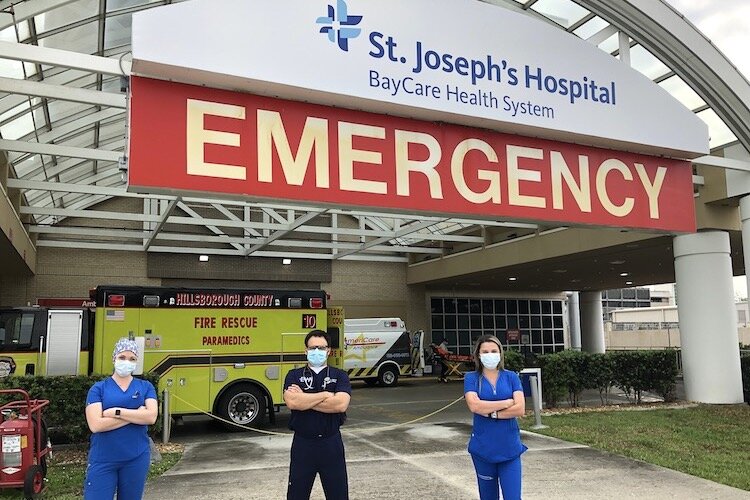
<point x="379" y="350"/>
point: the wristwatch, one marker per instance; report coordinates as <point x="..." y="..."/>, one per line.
<point x="117" y="413"/>
<point x="491" y="415"/>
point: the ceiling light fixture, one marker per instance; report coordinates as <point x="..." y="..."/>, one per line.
<point x="286" y="262"/>
<point x="203" y="258"/>
<point x="623" y="274"/>
<point x="512" y="279"/>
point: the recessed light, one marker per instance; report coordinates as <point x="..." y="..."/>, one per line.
<point x="203" y="258"/>
<point x="512" y="279"/>
<point x="286" y="262"/>
<point x="628" y="282"/>
<point x="617" y="262"/>
<point x="623" y="274"/>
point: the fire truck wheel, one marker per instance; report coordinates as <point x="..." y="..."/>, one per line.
<point x="371" y="381"/>
<point x="388" y="376"/>
<point x="243" y="405"/>
<point x="33" y="484"/>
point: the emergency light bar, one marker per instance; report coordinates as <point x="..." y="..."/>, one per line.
<point x="116" y="300"/>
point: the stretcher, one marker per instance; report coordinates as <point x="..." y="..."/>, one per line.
<point x="453" y="364"/>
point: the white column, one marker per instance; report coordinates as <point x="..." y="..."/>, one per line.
<point x="708" y="318"/>
<point x="745" y="218"/>
<point x="592" y="322"/>
<point x="574" y="321"/>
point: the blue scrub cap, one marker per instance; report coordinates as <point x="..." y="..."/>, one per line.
<point x="125" y="344"/>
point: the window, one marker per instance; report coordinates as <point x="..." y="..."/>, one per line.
<point x="462" y="320"/>
<point x="16" y="328"/>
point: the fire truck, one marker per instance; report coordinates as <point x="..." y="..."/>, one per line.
<point x="223" y="351"/>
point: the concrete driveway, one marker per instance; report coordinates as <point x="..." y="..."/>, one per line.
<point x="425" y="460"/>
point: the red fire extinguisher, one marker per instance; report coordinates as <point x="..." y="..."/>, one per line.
<point x="24" y="446"/>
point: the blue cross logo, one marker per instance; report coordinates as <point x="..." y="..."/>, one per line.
<point x="337" y="27"/>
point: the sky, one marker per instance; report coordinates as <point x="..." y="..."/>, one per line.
<point x="727" y="24"/>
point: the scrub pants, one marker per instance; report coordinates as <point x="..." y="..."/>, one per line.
<point x="128" y="478"/>
<point x="506" y="475"/>
<point x="312" y="456"/>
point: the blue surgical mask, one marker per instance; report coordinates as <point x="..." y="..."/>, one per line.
<point x="123" y="367"/>
<point x="317" y="358"/>
<point x="490" y="360"/>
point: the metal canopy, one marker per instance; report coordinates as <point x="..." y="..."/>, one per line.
<point x="63" y="69"/>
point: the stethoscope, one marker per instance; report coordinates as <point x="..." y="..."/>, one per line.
<point x="308" y="381"/>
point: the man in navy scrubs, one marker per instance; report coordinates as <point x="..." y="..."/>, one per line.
<point x="318" y="396"/>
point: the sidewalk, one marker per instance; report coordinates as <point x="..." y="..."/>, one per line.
<point x="424" y="460"/>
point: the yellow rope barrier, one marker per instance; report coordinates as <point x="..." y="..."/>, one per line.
<point x="346" y="431"/>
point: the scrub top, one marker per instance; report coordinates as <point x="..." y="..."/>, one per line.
<point x="494" y="439"/>
<point x="129" y="441"/>
<point x="312" y="423"/>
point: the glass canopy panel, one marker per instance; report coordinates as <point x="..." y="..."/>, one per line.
<point x="9" y="33"/>
<point x="18" y="128"/>
<point x="591" y="27"/>
<point x="66" y="15"/>
<point x="645" y="62"/>
<point x="611" y="44"/>
<point x="719" y="134"/>
<point x="117" y="30"/>
<point x="563" y="12"/>
<point x="681" y="91"/>
<point x="23" y="107"/>
<point x="81" y="39"/>
<point x="11" y="69"/>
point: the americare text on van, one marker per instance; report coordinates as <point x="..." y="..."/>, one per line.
<point x="477" y="70"/>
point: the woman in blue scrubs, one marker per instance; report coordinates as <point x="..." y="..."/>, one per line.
<point x="495" y="397"/>
<point x="119" y="410"/>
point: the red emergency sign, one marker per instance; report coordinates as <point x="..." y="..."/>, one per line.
<point x="201" y="140"/>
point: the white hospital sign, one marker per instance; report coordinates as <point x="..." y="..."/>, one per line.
<point x="457" y="61"/>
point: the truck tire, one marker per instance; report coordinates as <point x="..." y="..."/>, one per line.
<point x="388" y="376"/>
<point x="243" y="405"/>
<point x="33" y="483"/>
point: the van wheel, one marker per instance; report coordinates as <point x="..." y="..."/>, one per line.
<point x="243" y="406"/>
<point x="388" y="376"/>
<point x="371" y="381"/>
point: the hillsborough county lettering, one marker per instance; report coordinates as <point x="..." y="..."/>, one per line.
<point x="486" y="69"/>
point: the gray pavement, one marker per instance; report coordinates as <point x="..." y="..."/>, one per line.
<point x="425" y="460"/>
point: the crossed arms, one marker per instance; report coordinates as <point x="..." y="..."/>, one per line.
<point x="324" y="402"/>
<point x="505" y="408"/>
<point x="103" y="421"/>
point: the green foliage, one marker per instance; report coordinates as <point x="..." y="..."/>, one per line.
<point x="570" y="372"/>
<point x="513" y="360"/>
<point x="65" y="414"/>
<point x="639" y="371"/>
<point x="601" y="375"/>
<point x="556" y="375"/>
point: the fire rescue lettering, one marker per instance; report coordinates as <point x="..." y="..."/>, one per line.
<point x="226" y="340"/>
<point x="225" y="322"/>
